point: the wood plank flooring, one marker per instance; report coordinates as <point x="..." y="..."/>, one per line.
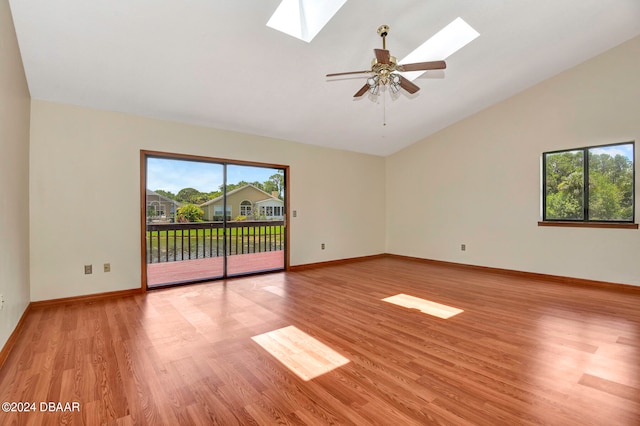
<point x="523" y="352"/>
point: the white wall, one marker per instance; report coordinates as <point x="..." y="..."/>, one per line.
<point x="83" y="160"/>
<point x="478" y="181"/>
<point x="14" y="178"/>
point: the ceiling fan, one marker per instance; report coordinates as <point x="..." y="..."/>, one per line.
<point x="385" y="68"/>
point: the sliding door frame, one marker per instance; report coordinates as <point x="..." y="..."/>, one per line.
<point x="145" y="154"/>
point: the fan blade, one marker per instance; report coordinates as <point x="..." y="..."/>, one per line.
<point x="423" y="66"/>
<point x="362" y="91"/>
<point x="408" y="85"/>
<point x="347" y="73"/>
<point x="382" y="56"/>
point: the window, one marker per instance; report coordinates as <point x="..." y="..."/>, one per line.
<point x="154" y="209"/>
<point x="217" y="212"/>
<point x="245" y="208"/>
<point x="594" y="184"/>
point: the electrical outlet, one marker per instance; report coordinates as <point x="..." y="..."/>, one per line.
<point x="107" y="267"/>
<point x="88" y="269"/>
<point x="295" y="213"/>
<point x="322" y="246"/>
<point x="1" y="302"/>
<point x="463" y="247"/>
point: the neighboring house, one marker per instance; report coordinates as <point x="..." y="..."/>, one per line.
<point x="161" y="208"/>
<point x="245" y="201"/>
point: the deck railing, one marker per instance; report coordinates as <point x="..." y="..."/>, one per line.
<point x="169" y="242"/>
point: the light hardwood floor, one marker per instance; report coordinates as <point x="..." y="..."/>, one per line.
<point x="523" y="352"/>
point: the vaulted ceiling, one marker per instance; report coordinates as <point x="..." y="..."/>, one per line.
<point x="215" y="62"/>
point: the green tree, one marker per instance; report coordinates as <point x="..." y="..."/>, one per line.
<point x="610" y="185"/>
<point x="275" y="184"/>
<point x="214" y="194"/>
<point x="170" y="195"/>
<point x="232" y="186"/>
<point x="565" y="183"/>
<point x="191" y="195"/>
<point x="190" y="213"/>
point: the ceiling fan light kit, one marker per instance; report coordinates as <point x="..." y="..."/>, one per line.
<point x="385" y="70"/>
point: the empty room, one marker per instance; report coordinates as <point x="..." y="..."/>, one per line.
<point x="319" y="212"/>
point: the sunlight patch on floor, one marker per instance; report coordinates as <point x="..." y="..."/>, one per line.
<point x="423" y="305"/>
<point x="302" y="354"/>
<point x="275" y="290"/>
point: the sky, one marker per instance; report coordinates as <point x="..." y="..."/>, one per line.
<point x="174" y="175"/>
<point x="626" y="150"/>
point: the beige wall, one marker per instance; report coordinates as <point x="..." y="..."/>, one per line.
<point x="478" y="181"/>
<point x="14" y="178"/>
<point x="81" y="157"/>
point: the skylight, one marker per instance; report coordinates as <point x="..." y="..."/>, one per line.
<point x="443" y="44"/>
<point x="304" y="19"/>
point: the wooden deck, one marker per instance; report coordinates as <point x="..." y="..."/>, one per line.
<point x="199" y="269"/>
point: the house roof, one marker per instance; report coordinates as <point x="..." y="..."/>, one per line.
<point x="234" y="191"/>
<point x="271" y="200"/>
<point x="216" y="63"/>
<point x="162" y="197"/>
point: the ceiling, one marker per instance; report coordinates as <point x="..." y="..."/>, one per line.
<point x="215" y="63"/>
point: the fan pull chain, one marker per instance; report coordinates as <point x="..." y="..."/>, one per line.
<point x="384" y="108"/>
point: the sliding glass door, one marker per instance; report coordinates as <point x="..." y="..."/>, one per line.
<point x="209" y="219"/>
<point x="256" y="235"/>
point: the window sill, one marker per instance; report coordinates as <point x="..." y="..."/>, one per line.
<point x="590" y="224"/>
